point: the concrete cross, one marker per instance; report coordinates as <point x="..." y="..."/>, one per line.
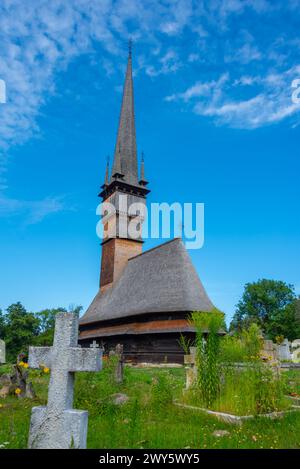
<point x="191" y="370"/>
<point x="119" y="364"/>
<point x="2" y="352"/>
<point x="58" y="425"/>
<point x="94" y="344"/>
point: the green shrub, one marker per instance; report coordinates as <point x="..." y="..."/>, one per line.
<point x="253" y="388"/>
<point x="208" y="326"/>
<point x="232" y="349"/>
<point x="161" y="392"/>
<point x="242" y="347"/>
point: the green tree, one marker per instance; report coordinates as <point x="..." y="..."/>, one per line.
<point x="269" y="303"/>
<point x="2" y="325"/>
<point x="46" y="319"/>
<point x="20" y="330"/>
<point x="286" y="322"/>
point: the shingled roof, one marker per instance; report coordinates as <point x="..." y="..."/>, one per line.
<point x="162" y="279"/>
<point x="125" y="157"/>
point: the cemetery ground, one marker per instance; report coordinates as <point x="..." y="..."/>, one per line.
<point x="147" y="418"/>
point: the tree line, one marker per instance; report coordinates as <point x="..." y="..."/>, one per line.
<point x="271" y="304"/>
<point x="21" y="328"/>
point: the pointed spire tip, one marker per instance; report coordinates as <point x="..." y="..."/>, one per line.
<point x="130" y="48"/>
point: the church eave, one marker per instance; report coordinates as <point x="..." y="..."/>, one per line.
<point x="123" y="186"/>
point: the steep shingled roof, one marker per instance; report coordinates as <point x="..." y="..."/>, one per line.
<point x="125" y="157"/>
<point x="162" y="279"/>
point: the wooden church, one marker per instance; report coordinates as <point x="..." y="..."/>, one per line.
<point x="145" y="298"/>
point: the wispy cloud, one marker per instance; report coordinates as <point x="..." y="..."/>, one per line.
<point x="38" y="39"/>
<point x="168" y="63"/>
<point x="33" y="211"/>
<point x="199" y="89"/>
<point x="270" y="101"/>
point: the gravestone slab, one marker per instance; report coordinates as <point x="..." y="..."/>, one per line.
<point x="58" y="425"/>
<point x="117" y="354"/>
<point x="296" y="350"/>
<point x="120" y="364"/>
<point x="269" y="350"/>
<point x="284" y="350"/>
<point x="191" y="370"/>
<point x="2" y="352"/>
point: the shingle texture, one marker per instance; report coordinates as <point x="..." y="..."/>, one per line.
<point x="125" y="158"/>
<point x="162" y="279"/>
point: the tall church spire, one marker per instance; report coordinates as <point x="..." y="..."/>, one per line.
<point x="125" y="158"/>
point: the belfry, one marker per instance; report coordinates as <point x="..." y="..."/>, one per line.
<point x="123" y="186"/>
<point x="144" y="298"/>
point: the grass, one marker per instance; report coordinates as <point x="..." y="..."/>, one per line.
<point x="249" y="391"/>
<point x="149" y="419"/>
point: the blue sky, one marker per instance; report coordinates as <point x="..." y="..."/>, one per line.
<point x="214" y="117"/>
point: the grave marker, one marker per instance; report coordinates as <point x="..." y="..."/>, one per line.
<point x="94" y="344"/>
<point x="2" y="352"/>
<point x="191" y="370"/>
<point x="120" y="364"/>
<point x="58" y="425"/>
<point x="284" y="351"/>
<point x="118" y="353"/>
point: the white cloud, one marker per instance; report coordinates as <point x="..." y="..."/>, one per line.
<point x="271" y="104"/>
<point x="196" y="90"/>
<point x="246" y="80"/>
<point x="199" y="89"/>
<point x="193" y="57"/>
<point x="245" y="54"/>
<point x="39" y="38"/>
<point x="179" y="17"/>
<point x="33" y="211"/>
<point x="168" y="63"/>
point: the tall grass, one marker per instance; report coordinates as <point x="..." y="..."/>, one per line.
<point x="148" y="419"/>
<point x="208" y="327"/>
<point x="254" y="389"/>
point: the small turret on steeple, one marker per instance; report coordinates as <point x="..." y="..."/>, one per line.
<point x="143" y="181"/>
<point x="106" y="180"/>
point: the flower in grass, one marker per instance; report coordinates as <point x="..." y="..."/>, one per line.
<point x="25" y="365"/>
<point x="46" y="370"/>
<point x="18" y="391"/>
<point x="21" y="363"/>
<point x="4" y="444"/>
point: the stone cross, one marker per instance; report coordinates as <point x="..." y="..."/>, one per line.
<point x="284" y="350"/>
<point x="2" y="352"/>
<point x="58" y="425"/>
<point x="94" y="344"/>
<point x="118" y="353"/>
<point x="191" y="370"/>
<point x="120" y="364"/>
<point x="296" y="350"/>
<point x="269" y="350"/>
